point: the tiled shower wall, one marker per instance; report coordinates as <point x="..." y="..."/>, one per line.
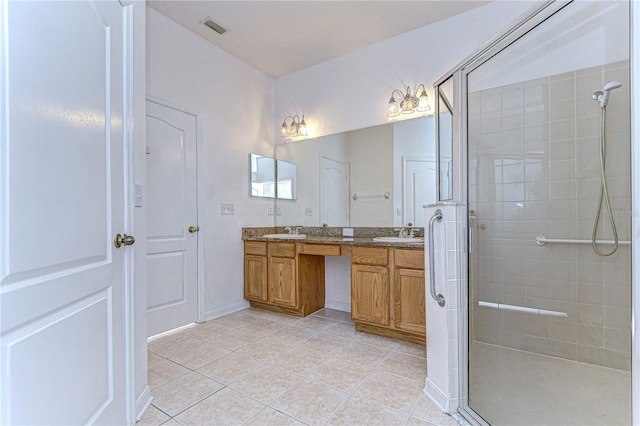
<point x="534" y="170"/>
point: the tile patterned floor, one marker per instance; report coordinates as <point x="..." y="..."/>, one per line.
<point x="260" y="368"/>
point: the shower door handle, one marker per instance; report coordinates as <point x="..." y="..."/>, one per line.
<point x="437" y="216"/>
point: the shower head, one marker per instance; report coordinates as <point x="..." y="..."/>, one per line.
<point x="603" y="96"/>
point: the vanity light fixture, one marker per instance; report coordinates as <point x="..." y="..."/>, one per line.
<point x="297" y="127"/>
<point x="410" y="103"/>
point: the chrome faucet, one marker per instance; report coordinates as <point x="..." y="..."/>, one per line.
<point x="293" y="230"/>
<point x="402" y="233"/>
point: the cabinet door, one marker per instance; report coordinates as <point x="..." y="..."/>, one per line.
<point x="370" y="294"/>
<point x="409" y="293"/>
<point x="282" y="282"/>
<point x="255" y="278"/>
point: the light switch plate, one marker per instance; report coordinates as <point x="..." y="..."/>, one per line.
<point x="270" y="209"/>
<point x="138" y="201"/>
<point x="227" y="208"/>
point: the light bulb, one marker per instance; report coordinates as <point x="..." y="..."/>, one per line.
<point x="284" y="130"/>
<point x="303" y="128"/>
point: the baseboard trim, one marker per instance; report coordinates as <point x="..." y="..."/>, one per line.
<point x="337" y="305"/>
<point x="143" y="402"/>
<point x="229" y="309"/>
<point x="436" y="395"/>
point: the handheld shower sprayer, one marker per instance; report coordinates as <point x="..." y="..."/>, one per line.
<point x="603" y="95"/>
<point x="604" y="204"/>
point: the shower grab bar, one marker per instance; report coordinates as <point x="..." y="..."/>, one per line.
<point x="437" y="216"/>
<point x="522" y="309"/>
<point x="356" y="197"/>
<point x="541" y="240"/>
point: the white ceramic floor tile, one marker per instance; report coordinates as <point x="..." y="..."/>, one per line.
<point x="333" y="314"/>
<point x="153" y="417"/>
<point x="230" y="368"/>
<point x="271" y="417"/>
<point x="314" y="323"/>
<point x="311" y="402"/>
<point x="299" y="360"/>
<point x="362" y="353"/>
<point x="176" y="396"/>
<point x="226" y="407"/>
<point x="427" y="411"/>
<point x="404" y="365"/>
<point x="357" y="411"/>
<point x="265" y="383"/>
<point x="198" y="356"/>
<point x="395" y="392"/>
<point x="326" y="343"/>
<point x="341" y="374"/>
<point x="165" y="371"/>
<point x="411" y="349"/>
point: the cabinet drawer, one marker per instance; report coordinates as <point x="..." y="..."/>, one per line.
<point x="255" y="247"/>
<point x="320" y="249"/>
<point x="413" y="259"/>
<point x="370" y="256"/>
<point x="282" y="249"/>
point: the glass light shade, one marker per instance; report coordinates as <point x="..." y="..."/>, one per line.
<point x="284" y="130"/>
<point x="407" y="105"/>
<point x="423" y="103"/>
<point x="302" y="129"/>
<point x="392" y="108"/>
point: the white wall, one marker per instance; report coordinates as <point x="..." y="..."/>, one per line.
<point x="234" y="103"/>
<point x="351" y="92"/>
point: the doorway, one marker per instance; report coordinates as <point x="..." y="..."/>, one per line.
<point x="172" y="218"/>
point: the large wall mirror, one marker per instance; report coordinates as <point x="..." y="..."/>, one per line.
<point x="444" y="131"/>
<point x="377" y="176"/>
<point x="273" y="179"/>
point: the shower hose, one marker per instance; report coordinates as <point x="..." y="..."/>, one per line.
<point x="604" y="194"/>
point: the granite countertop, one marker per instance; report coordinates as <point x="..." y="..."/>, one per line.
<point x="362" y="238"/>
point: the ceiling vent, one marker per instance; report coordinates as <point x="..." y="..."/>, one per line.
<point x="213" y="25"/>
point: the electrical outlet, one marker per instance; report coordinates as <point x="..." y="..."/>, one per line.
<point x="270" y="209"/>
<point x="278" y="210"/>
<point x="227" y="208"/>
<point x="399" y="211"/>
<point x="308" y="211"/>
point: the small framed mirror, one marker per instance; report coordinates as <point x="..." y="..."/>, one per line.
<point x="262" y="178"/>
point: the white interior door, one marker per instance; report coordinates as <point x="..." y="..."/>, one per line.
<point x="62" y="183"/>
<point x="419" y="188"/>
<point x="334" y="192"/>
<point x="172" y="208"/>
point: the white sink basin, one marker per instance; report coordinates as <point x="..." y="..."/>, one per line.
<point x="285" y="236"/>
<point x="416" y="240"/>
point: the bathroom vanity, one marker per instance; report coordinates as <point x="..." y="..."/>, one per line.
<point x="387" y="280"/>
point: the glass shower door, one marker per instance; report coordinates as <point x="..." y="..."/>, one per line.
<point x="549" y="317"/>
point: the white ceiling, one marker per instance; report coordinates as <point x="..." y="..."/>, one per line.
<point x="281" y="37"/>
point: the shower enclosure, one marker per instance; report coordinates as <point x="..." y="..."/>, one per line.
<point x="546" y="122"/>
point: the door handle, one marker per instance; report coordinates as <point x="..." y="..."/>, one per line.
<point x="194" y="229"/>
<point x="126" y="240"/>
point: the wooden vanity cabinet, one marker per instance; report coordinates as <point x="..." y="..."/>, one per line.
<point x="370" y="291"/>
<point x="379" y="276"/>
<point x="255" y="271"/>
<point x="387" y="284"/>
<point x="279" y="277"/>
<point x="409" y="291"/>
<point x="283" y="289"/>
